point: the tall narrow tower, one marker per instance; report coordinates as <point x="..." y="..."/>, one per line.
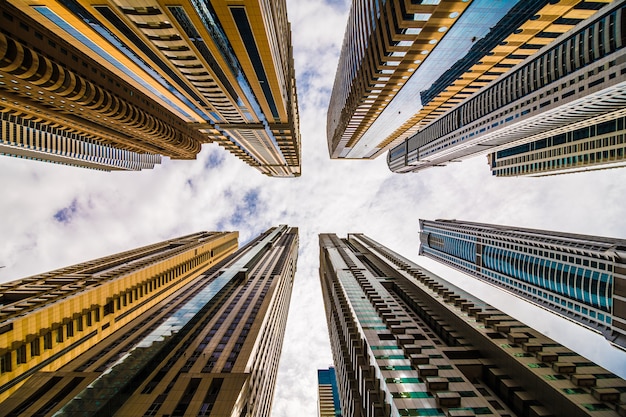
<point x="46" y="320"/>
<point x="407" y="343"/>
<point x="575" y="80"/>
<point x="114" y="84"/>
<point x="404" y="64"/>
<point x="209" y="348"/>
<point x="580" y="277"/>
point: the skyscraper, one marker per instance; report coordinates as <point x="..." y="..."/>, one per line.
<point x="579" y="277"/>
<point x="405" y="63"/>
<point x="575" y="81"/>
<point x="406" y="342"/>
<point x="593" y="146"/>
<point x="209" y="347"/>
<point x="48" y="319"/>
<point x="328" y="404"/>
<point x="113" y="84"/>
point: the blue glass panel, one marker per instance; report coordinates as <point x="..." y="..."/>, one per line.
<point x="69" y="29"/>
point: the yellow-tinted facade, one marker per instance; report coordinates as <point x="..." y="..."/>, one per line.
<point x="49" y="319"/>
<point x="151" y="78"/>
<point x="209" y="347"/>
<point x="403" y="64"/>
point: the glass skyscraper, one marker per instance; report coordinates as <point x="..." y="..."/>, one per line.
<point x="406" y="342"/>
<point x="190" y="326"/>
<point x="114" y="85"/>
<point x="582" y="278"/>
<point x="405" y="64"/>
<point x="573" y="80"/>
<point x="586" y="147"/>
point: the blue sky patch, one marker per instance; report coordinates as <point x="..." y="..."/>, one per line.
<point x="215" y="159"/>
<point x="248" y="209"/>
<point x="65" y="214"/>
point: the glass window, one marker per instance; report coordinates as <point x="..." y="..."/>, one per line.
<point x="21" y="354"/>
<point x="5" y="363"/>
<point x="35" y="346"/>
<point x="47" y="341"/>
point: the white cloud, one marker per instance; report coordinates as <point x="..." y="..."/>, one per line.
<point x="119" y="211"/>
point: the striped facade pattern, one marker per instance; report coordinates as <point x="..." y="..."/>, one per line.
<point x="47" y="320"/>
<point x="577" y="78"/>
<point x="406" y="342"/>
<point x="580" y="147"/>
<point x="576" y="276"/>
<point x="210" y="348"/>
<point x="158" y="78"/>
<point x="455" y="47"/>
<point x="33" y="140"/>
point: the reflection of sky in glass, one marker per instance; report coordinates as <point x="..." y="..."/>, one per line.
<point x="53" y="17"/>
<point x="212" y="25"/>
<point x="117" y="376"/>
<point x="475" y="22"/>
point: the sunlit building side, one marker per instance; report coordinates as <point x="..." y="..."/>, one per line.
<point x="211" y="347"/>
<point x="577" y="148"/>
<point x="405" y="63"/>
<point x="580" y="277"/>
<point x="576" y="81"/>
<point x="117" y="84"/>
<point x="46" y="320"/>
<point x="405" y="342"/>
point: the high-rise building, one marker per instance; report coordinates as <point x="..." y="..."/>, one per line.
<point x="115" y="84"/>
<point x="576" y="80"/>
<point x="208" y="347"/>
<point x="407" y="343"/>
<point x="405" y="63"/>
<point x="48" y="319"/>
<point x="580" y="277"/>
<point x="594" y="146"/>
<point x="328" y="404"/>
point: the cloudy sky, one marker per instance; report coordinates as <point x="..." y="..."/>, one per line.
<point x="54" y="216"/>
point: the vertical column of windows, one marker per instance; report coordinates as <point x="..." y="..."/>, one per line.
<point x="21" y="354"/>
<point x="611" y="32"/>
<point x="593" y="41"/>
<point x="580" y="61"/>
<point x="47" y="341"/>
<point x="603" y="38"/>
<point x="544" y="281"/>
<point x="35" y="347"/>
<point x="5" y="363"/>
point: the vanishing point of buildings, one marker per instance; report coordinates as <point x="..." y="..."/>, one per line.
<point x="115" y="85"/>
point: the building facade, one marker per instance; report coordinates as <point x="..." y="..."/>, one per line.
<point x="405" y="63"/>
<point x="210" y="347"/>
<point x="114" y="85"/>
<point x="577" y="78"/>
<point x="577" y="148"/>
<point x="47" y="320"/>
<point x="328" y="404"/>
<point x="407" y="343"/>
<point x="579" y="277"/>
